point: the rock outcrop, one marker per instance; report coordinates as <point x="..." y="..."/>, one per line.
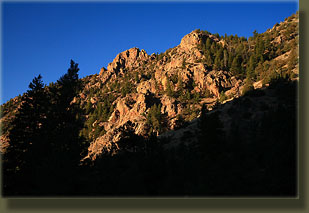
<point x="179" y="81"/>
<point x="123" y="62"/>
<point x="181" y="61"/>
<point x="5" y="142"/>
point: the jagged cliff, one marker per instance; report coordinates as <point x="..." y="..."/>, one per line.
<point x="213" y="116"/>
<point x="199" y="71"/>
<point x="132" y="107"/>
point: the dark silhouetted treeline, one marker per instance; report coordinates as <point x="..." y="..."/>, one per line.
<point x="45" y="146"/>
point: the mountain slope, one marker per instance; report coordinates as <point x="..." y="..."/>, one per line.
<point x="182" y="79"/>
<point x="213" y="116"/>
<point x="162" y="92"/>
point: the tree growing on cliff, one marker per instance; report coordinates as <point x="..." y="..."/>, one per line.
<point x="251" y="66"/>
<point x="169" y="89"/>
<point x="236" y="66"/>
<point x="155" y="119"/>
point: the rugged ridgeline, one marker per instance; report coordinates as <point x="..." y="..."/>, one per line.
<point x="162" y="92"/>
<point x="202" y="69"/>
<point x="215" y="115"/>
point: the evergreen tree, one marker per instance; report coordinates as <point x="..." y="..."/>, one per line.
<point x="236" y="66"/>
<point x="218" y="59"/>
<point x="240" y="49"/>
<point x="251" y="66"/>
<point x="217" y="64"/>
<point x="255" y="34"/>
<point x="155" y="119"/>
<point x="64" y="126"/>
<point x="27" y="143"/>
<point x="169" y="89"/>
<point x="180" y="83"/>
<point x="225" y="59"/>
<point x="230" y="61"/>
<point x="66" y="113"/>
<point x="259" y="49"/>
<point x="88" y="107"/>
<point x="213" y="48"/>
<point x="208" y="59"/>
<point x="248" y="85"/>
<point x="208" y="43"/>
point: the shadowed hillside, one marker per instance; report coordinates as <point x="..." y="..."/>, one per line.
<point x="213" y="116"/>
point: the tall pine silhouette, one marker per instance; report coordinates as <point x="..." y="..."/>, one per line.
<point x="26" y="142"/>
<point x="64" y="125"/>
<point x="45" y="146"/>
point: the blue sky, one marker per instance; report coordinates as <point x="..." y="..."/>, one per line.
<point x="41" y="38"/>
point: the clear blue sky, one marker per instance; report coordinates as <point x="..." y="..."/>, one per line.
<point x="41" y="38"/>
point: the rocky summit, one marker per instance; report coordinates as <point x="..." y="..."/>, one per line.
<point x="175" y="79"/>
<point x="209" y="88"/>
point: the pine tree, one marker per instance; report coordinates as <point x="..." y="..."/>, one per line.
<point x="293" y="59"/>
<point x="259" y="49"/>
<point x="217" y="64"/>
<point x="155" y="119"/>
<point x="236" y="65"/>
<point x="225" y="59"/>
<point x="251" y="66"/>
<point x="27" y="140"/>
<point x="88" y="107"/>
<point x="65" y="124"/>
<point x="169" y="89"/>
<point x="208" y="43"/>
<point x="230" y="61"/>
<point x="213" y="48"/>
<point x="69" y="86"/>
<point x="218" y="58"/>
<point x="255" y="34"/>
<point x="248" y="86"/>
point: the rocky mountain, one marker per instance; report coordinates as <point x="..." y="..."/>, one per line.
<point x="153" y="79"/>
<point x="179" y="80"/>
<point x="232" y="81"/>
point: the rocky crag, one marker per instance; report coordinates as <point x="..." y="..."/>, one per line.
<point x="163" y="94"/>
